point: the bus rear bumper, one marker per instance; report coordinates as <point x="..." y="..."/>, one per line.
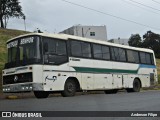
<point x="22" y="87"/>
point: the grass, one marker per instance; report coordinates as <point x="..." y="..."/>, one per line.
<point x="159" y="79"/>
<point x="6" y="34"/>
<point x="158" y="69"/>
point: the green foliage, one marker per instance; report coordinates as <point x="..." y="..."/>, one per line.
<point x="158" y="79"/>
<point x="8" y="9"/>
<point x="135" y="40"/>
<point x="152" y="41"/>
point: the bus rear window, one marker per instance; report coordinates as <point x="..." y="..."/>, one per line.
<point x="146" y="58"/>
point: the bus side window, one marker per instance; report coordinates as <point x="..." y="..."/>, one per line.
<point x="145" y="58"/>
<point x="132" y="56"/>
<point x="101" y="52"/>
<point x="86" y="49"/>
<point x="97" y="51"/>
<point x="122" y="55"/>
<point x="61" y="48"/>
<point x="106" y="52"/>
<point x="114" y="53"/>
<point x="148" y="58"/>
<point x="81" y="49"/>
<point x="118" y="54"/>
<point x="55" y="51"/>
<point x="45" y="47"/>
<point x="76" y="49"/>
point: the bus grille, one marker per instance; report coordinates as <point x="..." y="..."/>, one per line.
<point x="17" y="78"/>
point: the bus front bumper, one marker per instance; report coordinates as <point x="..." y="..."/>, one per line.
<point x="22" y="87"/>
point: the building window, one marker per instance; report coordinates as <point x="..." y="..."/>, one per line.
<point x="92" y="33"/>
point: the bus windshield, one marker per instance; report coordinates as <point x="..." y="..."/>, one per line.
<point x="23" y="51"/>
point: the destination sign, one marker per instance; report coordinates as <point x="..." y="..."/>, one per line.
<point x="27" y="40"/>
<point x="23" y="41"/>
<point x="12" y="44"/>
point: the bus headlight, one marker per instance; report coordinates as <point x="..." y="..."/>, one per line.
<point x="4" y="89"/>
<point x="30" y="87"/>
<point x="27" y="87"/>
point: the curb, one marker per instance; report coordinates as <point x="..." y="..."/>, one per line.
<point x="11" y="97"/>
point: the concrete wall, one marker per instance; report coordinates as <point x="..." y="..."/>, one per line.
<point x="94" y="32"/>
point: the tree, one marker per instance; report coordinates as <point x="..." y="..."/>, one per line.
<point x="135" y="40"/>
<point x="8" y="9"/>
<point x="152" y="41"/>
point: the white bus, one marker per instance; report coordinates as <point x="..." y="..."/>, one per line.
<point x="48" y="63"/>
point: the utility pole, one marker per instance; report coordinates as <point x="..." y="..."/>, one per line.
<point x="24" y="18"/>
<point x="82" y="32"/>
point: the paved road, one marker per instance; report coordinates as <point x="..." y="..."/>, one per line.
<point x="122" y="101"/>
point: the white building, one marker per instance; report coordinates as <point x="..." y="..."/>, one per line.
<point x="94" y="32"/>
<point x="121" y="41"/>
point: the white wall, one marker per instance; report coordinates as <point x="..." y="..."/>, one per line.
<point x="84" y="31"/>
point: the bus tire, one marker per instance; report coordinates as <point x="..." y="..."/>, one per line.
<point x="114" y="91"/>
<point x="69" y="88"/>
<point x="41" y="94"/>
<point x="136" y="86"/>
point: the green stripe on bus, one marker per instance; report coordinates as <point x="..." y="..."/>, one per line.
<point x="100" y="70"/>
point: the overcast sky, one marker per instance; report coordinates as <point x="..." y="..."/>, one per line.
<point x="54" y="16"/>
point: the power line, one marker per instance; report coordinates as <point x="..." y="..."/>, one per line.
<point x="139" y="7"/>
<point x="156" y="1"/>
<point x="108" y="14"/>
<point x="145" y="5"/>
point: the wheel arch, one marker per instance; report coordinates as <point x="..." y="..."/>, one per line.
<point x="76" y="81"/>
<point x="139" y="81"/>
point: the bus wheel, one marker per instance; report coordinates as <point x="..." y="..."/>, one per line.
<point x="41" y="94"/>
<point x="69" y="89"/>
<point x="114" y="91"/>
<point x="136" y="86"/>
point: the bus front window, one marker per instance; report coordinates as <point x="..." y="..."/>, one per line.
<point x="23" y="51"/>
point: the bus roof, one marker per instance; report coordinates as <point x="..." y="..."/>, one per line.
<point x="66" y="37"/>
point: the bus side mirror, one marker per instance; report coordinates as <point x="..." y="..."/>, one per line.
<point x="45" y="47"/>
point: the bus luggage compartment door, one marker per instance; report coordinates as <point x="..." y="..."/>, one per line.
<point x="117" y="81"/>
